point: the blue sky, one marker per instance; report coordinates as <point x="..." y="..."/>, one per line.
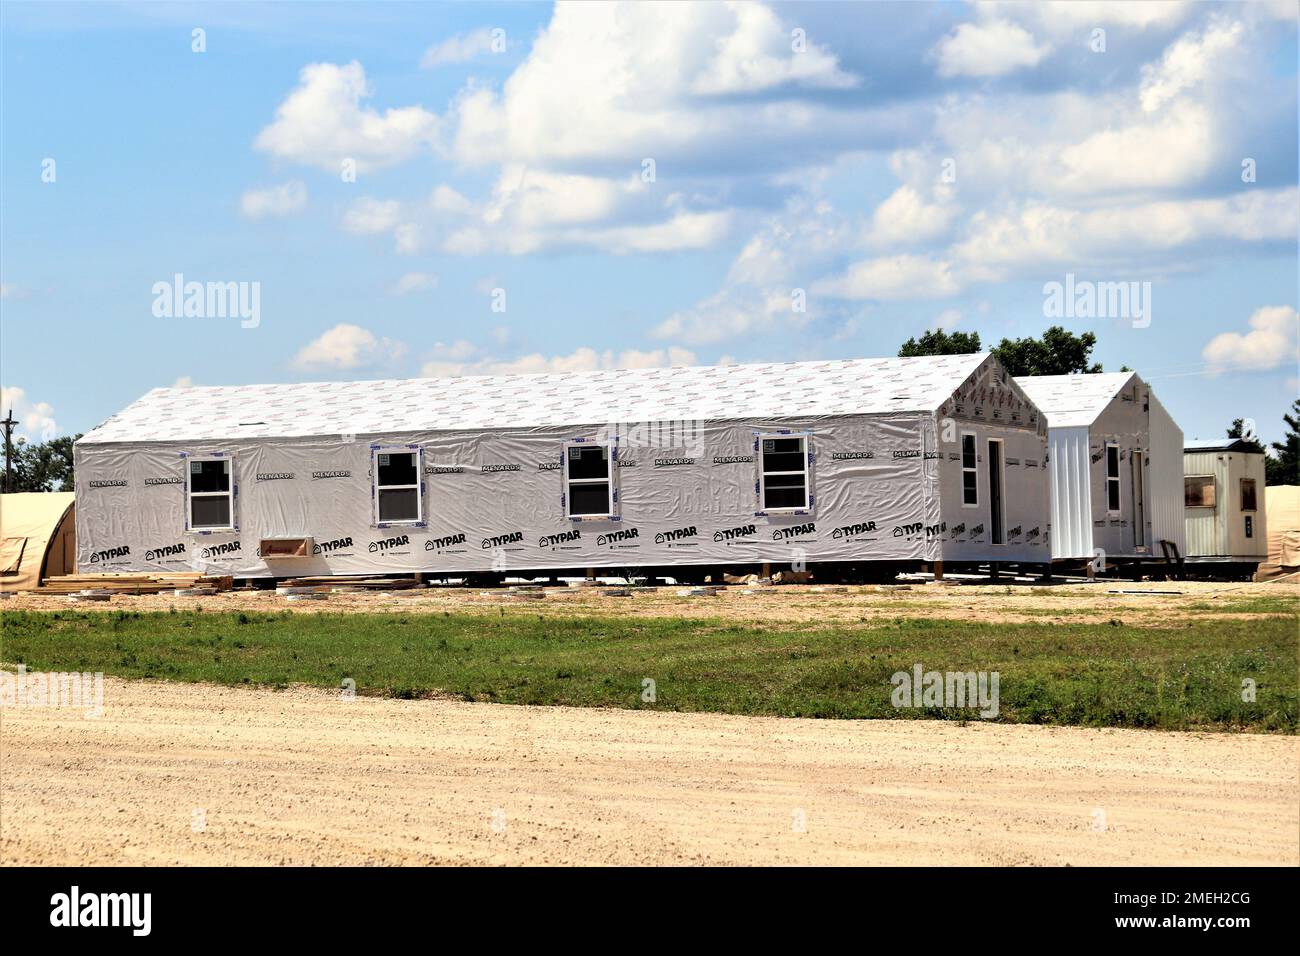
<point x="504" y="147"/>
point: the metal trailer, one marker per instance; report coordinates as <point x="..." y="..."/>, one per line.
<point x="1223" y="480"/>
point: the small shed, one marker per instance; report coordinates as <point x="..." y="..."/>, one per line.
<point x="1114" y="463"/>
<point x="38" y="538"/>
<point x="1224" y="499"/>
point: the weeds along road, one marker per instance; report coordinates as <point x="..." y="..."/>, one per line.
<point x="194" y="773"/>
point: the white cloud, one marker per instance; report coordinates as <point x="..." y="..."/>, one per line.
<point x="1270" y="343"/>
<point x="282" y="200"/>
<point x="616" y="82"/>
<point x="35" y="420"/>
<point x="347" y="346"/>
<point x="905" y="218"/>
<point x="948" y="319"/>
<point x="322" y="122"/>
<point x="414" y="282"/>
<point x="893" y="277"/>
<point x="1187" y="62"/>
<point x="368" y="216"/>
<point x="992" y="48"/>
<point x="460" y="48"/>
<point x="463" y="358"/>
<point x="448" y="201"/>
<point x="757" y="54"/>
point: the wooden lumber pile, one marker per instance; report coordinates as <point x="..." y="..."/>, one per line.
<point x="133" y="583"/>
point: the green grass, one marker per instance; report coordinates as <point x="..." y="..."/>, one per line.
<point x="1184" y="676"/>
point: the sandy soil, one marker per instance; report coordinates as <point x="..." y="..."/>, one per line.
<point x="1077" y="603"/>
<point x="176" y="773"/>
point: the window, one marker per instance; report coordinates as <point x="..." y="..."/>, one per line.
<point x="589" y="489"/>
<point x="1198" y="491"/>
<point x="1112" y="478"/>
<point x="397" y="486"/>
<point x="783" y="472"/>
<point x="1248" y="494"/>
<point x="210" y="494"/>
<point x="970" y="496"/>
<point x="997" y="523"/>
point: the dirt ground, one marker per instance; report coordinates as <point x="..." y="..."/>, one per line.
<point x="183" y="774"/>
<point x="1008" y="603"/>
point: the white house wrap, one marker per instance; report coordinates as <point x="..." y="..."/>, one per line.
<point x="1116" y="465"/>
<point x="864" y="460"/>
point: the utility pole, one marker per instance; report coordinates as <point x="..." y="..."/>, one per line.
<point x="9" y="424"/>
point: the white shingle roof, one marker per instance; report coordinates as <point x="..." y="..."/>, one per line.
<point x="1070" y="401"/>
<point x="842" y="387"/>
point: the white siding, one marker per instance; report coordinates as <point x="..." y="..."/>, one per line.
<point x="1204" y="526"/>
<point x="1165" y="479"/>
<point x="1071" y="492"/>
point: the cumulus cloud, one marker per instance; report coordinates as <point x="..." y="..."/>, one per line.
<point x="323" y="121"/>
<point x="36" y="420"/>
<point x="993" y="48"/>
<point x="464" y="47"/>
<point x="1187" y="62"/>
<point x="1270" y="343"/>
<point x="615" y="82"/>
<point x="414" y="282"/>
<point x="283" y="200"/>
<point x="369" y="216"/>
<point x="347" y="346"/>
<point x="461" y="357"/>
<point x="893" y="277"/>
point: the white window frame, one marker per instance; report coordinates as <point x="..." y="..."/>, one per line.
<point x="375" y="452"/>
<point x="1118" y="488"/>
<point x="975" y="444"/>
<point x="229" y="493"/>
<point x="805" y="437"/>
<point x="611" y="460"/>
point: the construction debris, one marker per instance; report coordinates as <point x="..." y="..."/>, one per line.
<point x="134" y="583"/>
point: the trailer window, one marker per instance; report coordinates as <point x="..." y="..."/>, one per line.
<point x="397" y="486"/>
<point x="783" y="472"/>
<point x="1198" y="491"/>
<point x="1112" y="478"/>
<point x="970" y="496"/>
<point x="210" y="494"/>
<point x="589" y="489"/>
<point x="1248" y="494"/>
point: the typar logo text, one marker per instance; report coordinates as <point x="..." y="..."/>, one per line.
<point x="74" y="908"/>
<point x="179" y="299"/>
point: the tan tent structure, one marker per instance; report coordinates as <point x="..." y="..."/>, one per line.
<point x="1282" y="507"/>
<point x="38" y="538"/>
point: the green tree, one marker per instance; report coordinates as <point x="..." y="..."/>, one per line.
<point x="940" y="342"/>
<point x="44" y="466"/>
<point x="1058" y="352"/>
<point x="1283" y="468"/>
